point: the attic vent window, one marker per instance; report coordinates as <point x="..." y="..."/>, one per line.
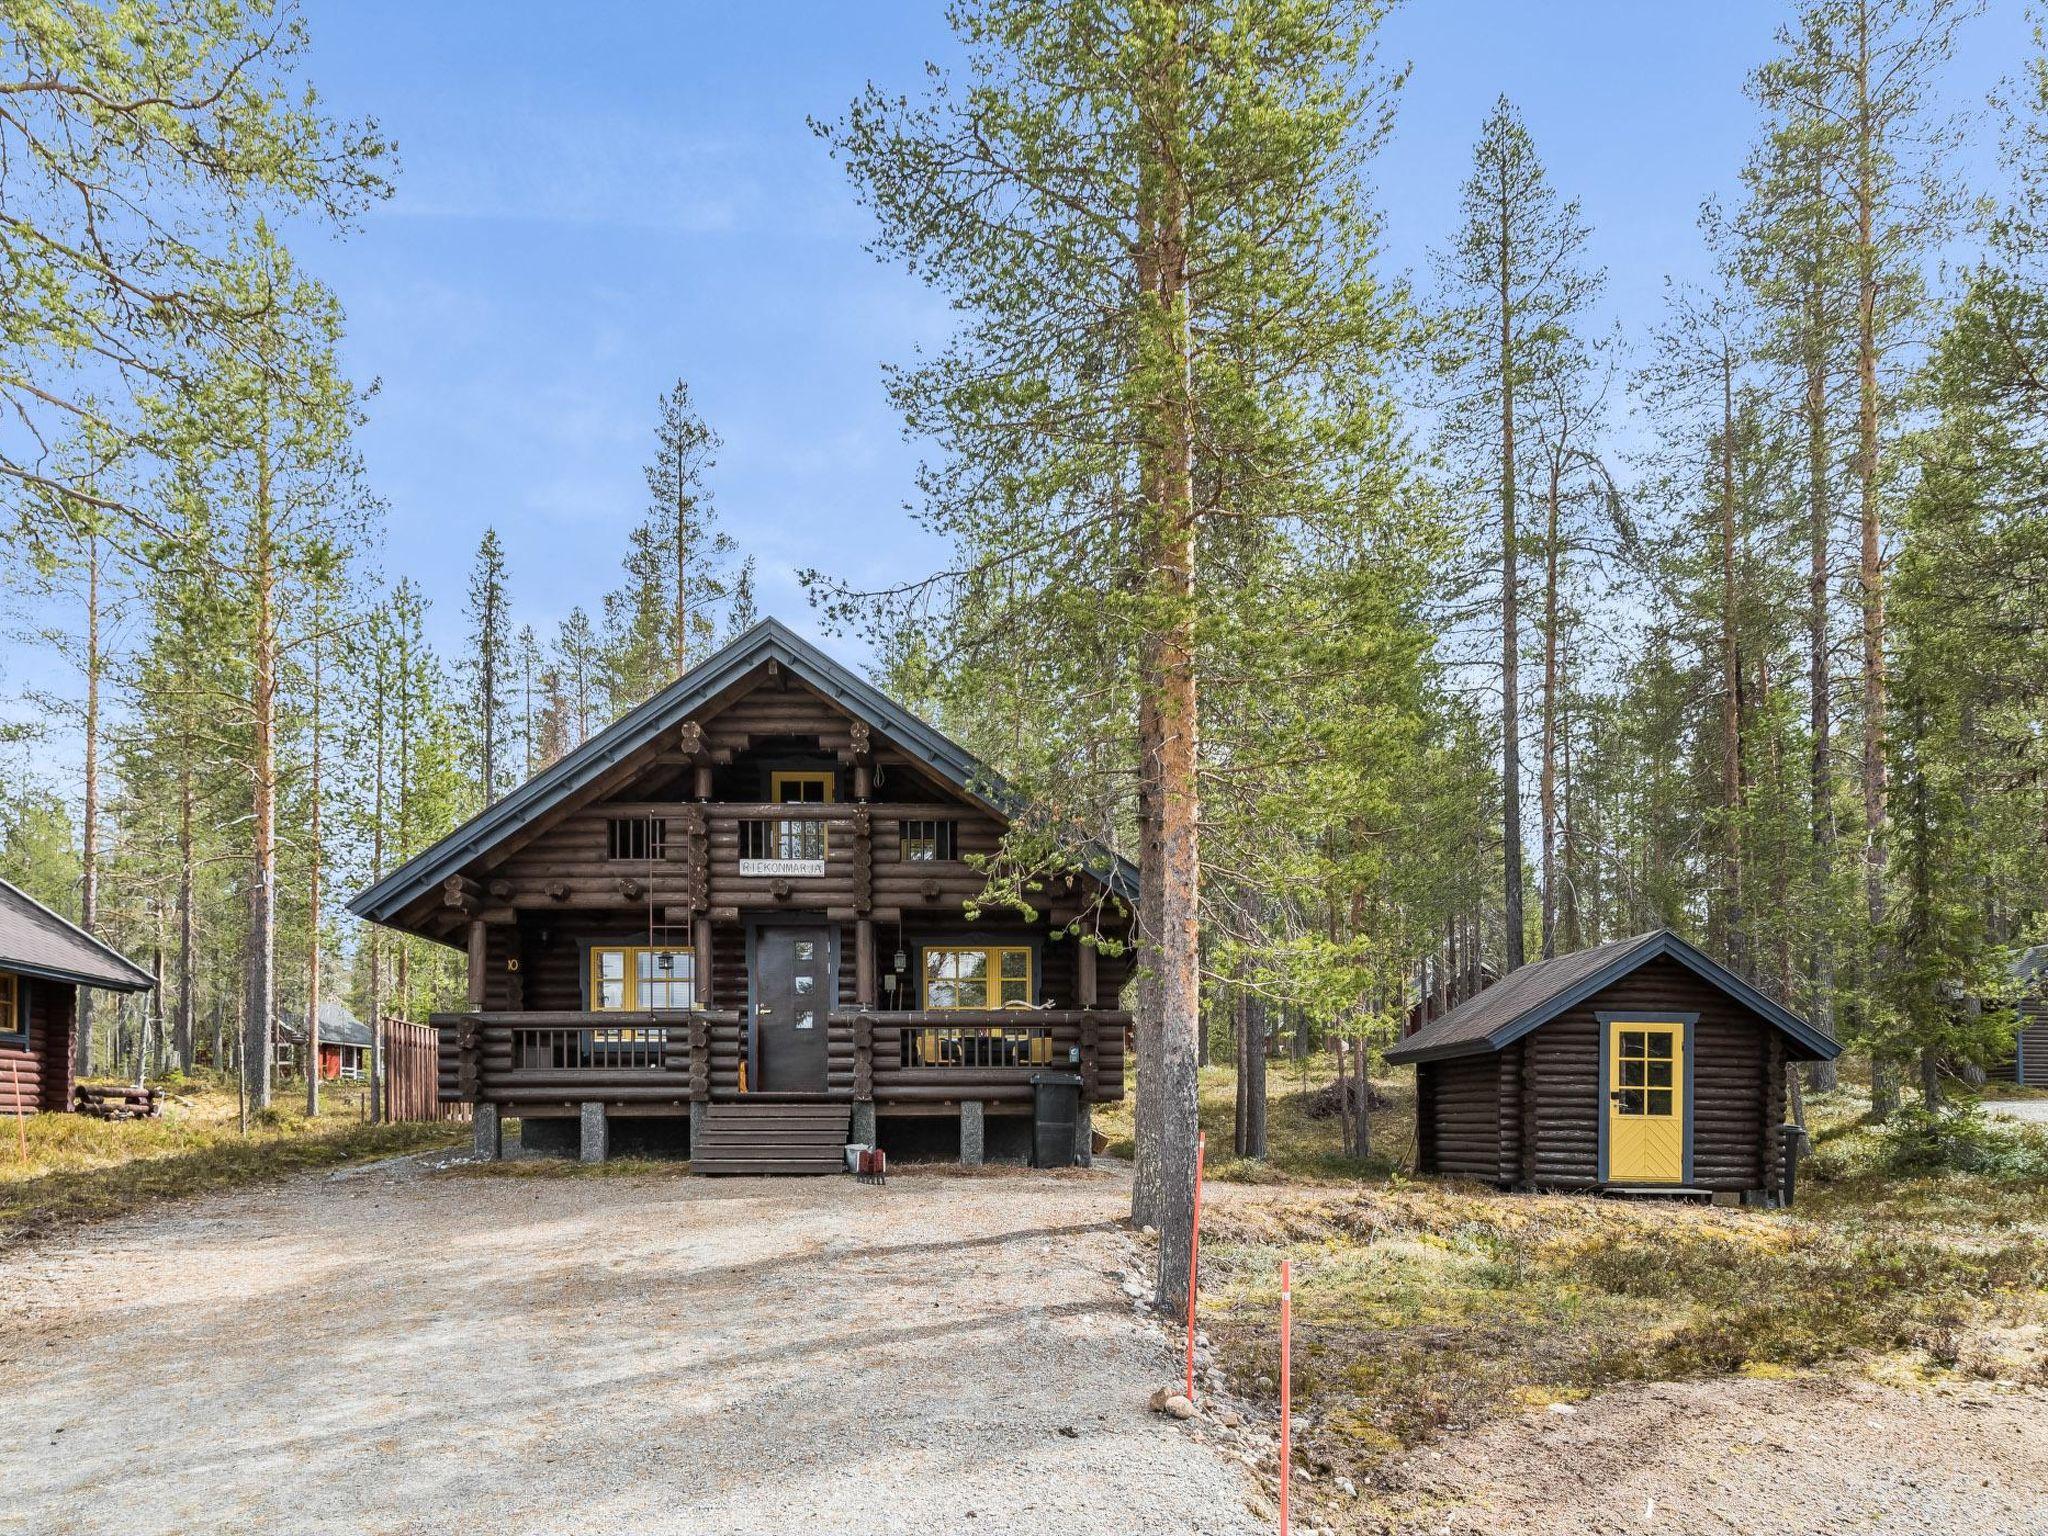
<point x="635" y="837"/>
<point x="930" y="842"/>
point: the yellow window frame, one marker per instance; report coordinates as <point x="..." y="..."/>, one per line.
<point x="827" y="779"/>
<point x="992" y="977"/>
<point x="630" y="961"/>
<point x="13" y="1015"/>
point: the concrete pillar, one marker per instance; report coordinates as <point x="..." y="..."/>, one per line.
<point x="971" y="1133"/>
<point x="863" y="1123"/>
<point x="593" y="1132"/>
<point x="490" y="1134"/>
<point x="1084" y="1136"/>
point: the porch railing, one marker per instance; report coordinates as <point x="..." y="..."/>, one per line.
<point x="673" y="1057"/>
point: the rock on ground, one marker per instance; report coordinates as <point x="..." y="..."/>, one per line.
<point x="398" y="1352"/>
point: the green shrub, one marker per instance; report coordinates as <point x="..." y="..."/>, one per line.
<point x="1961" y="1140"/>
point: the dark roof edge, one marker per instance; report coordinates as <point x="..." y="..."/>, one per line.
<point x="1632" y="957"/>
<point x="769" y="639"/>
<point x="142" y="981"/>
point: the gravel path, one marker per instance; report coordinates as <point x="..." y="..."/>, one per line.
<point x="1759" y="1458"/>
<point x="2034" y="1111"/>
<point x="394" y="1350"/>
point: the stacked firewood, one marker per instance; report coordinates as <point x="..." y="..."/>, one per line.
<point x="118" y="1103"/>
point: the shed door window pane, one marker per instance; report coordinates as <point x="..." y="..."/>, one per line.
<point x="1643" y="1073"/>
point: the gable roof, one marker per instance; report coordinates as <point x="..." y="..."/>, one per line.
<point x="34" y="941"/>
<point x="769" y="640"/>
<point x="1536" y="994"/>
<point x="337" y="1026"/>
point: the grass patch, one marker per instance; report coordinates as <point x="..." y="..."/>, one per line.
<point x="79" y="1169"/>
<point x="1300" y="1148"/>
<point x="1427" y="1305"/>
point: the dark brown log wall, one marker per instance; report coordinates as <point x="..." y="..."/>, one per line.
<point x="1461" y="1126"/>
<point x="39" y="1077"/>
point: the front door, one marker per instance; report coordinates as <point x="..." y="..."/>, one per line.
<point x="1645" y="1103"/>
<point x="793" y="989"/>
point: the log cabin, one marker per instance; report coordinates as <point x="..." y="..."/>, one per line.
<point x="344" y="1045"/>
<point x="44" y="960"/>
<point x="749" y="909"/>
<point x="2028" y="1064"/>
<point x="1638" y="1065"/>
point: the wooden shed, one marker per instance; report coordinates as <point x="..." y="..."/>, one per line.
<point x="44" y="960"/>
<point x="1635" y="1065"/>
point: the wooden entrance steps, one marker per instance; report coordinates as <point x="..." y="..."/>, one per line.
<point x="771" y="1137"/>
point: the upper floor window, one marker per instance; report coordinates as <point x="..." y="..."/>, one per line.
<point x="635" y="837"/>
<point x="977" y="976"/>
<point x="631" y="977"/>
<point x="800" y="788"/>
<point x="930" y="842"/>
<point x="794" y="839"/>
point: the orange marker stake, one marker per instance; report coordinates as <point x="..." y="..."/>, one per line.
<point x="20" y="1123"/>
<point x="1195" y="1256"/>
<point x="1286" y="1361"/>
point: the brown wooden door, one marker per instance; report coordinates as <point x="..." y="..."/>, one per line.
<point x="793" y="988"/>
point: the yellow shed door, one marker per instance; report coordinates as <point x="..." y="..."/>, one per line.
<point x="1645" y="1103"/>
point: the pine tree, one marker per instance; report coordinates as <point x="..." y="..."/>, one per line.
<point x="1515" y="286"/>
<point x="487" y="666"/>
<point x="1182" y="185"/>
<point x="677" y="563"/>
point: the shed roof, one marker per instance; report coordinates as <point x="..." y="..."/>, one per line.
<point x="1538" y="993"/>
<point x="34" y="941"/>
<point x="769" y="640"/>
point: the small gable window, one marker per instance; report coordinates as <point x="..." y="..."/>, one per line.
<point x="930" y="842"/>
<point x="635" y="837"/>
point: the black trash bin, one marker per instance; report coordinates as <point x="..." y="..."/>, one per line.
<point x="1056" y="1119"/>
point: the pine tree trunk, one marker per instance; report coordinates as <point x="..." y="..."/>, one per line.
<point x="1510" y="624"/>
<point x="1822" y="1075"/>
<point x="89" y="870"/>
<point x="1548" y="789"/>
<point x="187" y="1020"/>
<point x="1884" y="1081"/>
<point x="1254" y="1078"/>
<point x="262" y="939"/>
<point x="375" y="937"/>
<point x="1177" y="720"/>
<point x="313" y="904"/>
<point x="1733" y="949"/>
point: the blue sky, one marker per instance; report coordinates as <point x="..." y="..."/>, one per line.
<point x="587" y="211"/>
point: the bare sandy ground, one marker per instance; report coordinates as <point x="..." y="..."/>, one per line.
<point x="1831" y="1454"/>
<point x="390" y="1351"/>
<point x="395" y="1351"/>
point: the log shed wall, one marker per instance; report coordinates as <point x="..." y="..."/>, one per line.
<point x="37" y="1076"/>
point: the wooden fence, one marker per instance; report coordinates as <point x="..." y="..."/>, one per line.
<point x="411" y="1073"/>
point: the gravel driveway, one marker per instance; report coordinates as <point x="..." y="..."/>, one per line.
<point x="2034" y="1111"/>
<point x="396" y="1350"/>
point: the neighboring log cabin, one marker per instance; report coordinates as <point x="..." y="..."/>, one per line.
<point x="1634" y="1065"/>
<point x="44" y="960"/>
<point x="2028" y="1064"/>
<point x="747" y="908"/>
